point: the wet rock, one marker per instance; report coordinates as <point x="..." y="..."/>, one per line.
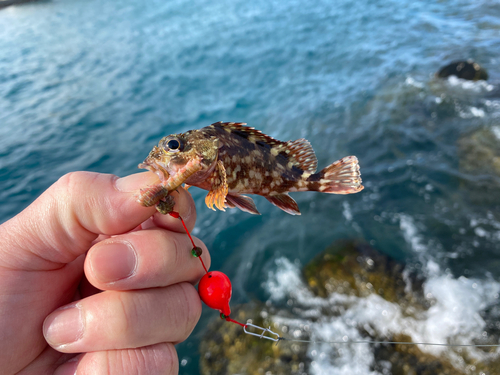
<point x="226" y="349"/>
<point x="352" y="268"/>
<point x="479" y="160"/>
<point x="355" y="268"/>
<point x="480" y="151"/>
<point x="468" y="70"/>
<point x="410" y="360"/>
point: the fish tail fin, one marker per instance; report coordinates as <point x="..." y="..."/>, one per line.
<point x="340" y="177"/>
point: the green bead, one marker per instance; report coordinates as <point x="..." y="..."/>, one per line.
<point x="196" y="252"/>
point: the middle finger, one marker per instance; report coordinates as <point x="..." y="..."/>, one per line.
<point x="121" y="320"/>
<point x="144" y="259"/>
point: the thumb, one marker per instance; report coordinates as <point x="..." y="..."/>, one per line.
<point x="62" y="223"/>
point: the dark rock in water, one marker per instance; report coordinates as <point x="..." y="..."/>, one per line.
<point x="346" y="267"/>
<point x="480" y="151"/>
<point x="355" y="268"/>
<point x="226" y="349"/>
<point x="409" y="359"/>
<point x="479" y="159"/>
<point x="469" y="70"/>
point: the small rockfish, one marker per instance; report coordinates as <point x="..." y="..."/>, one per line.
<point x="229" y="159"/>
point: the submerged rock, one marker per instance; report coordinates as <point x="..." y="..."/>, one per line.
<point x="479" y="159"/>
<point x="355" y="268"/>
<point x="468" y="70"/>
<point x="410" y="360"/>
<point x="349" y="268"/>
<point x="480" y="151"/>
<point x="226" y="349"/>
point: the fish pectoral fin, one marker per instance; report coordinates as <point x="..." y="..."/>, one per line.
<point x="243" y="202"/>
<point x="217" y="194"/>
<point x="285" y="202"/>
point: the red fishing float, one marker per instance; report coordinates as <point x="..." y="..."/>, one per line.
<point x="215" y="290"/>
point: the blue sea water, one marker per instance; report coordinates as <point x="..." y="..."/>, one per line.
<point x="93" y="85"/>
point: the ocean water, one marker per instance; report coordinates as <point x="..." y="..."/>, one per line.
<point x="93" y="85"/>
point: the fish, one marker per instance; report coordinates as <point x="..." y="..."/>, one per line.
<point x="230" y="159"/>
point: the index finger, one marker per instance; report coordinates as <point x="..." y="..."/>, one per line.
<point x="184" y="205"/>
<point x="64" y="221"/>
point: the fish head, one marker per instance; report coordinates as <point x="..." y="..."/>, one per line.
<point x="176" y="152"/>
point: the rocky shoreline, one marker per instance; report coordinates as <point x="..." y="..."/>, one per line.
<point x="349" y="270"/>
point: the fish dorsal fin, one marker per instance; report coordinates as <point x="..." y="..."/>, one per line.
<point x="247" y="132"/>
<point x="302" y="154"/>
<point x="299" y="152"/>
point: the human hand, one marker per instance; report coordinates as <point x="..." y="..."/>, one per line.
<point x="84" y="235"/>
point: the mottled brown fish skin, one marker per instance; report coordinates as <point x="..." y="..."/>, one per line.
<point x="250" y="166"/>
<point x="247" y="161"/>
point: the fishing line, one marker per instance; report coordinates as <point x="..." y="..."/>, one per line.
<point x="215" y="291"/>
<point x="394" y="343"/>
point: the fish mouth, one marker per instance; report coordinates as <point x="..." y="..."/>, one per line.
<point x="153" y="166"/>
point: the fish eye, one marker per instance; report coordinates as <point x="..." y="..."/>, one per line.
<point x="173" y="145"/>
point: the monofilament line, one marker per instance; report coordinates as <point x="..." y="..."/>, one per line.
<point x="394" y="343"/>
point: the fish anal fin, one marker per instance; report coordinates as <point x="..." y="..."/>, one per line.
<point x="301" y="154"/>
<point x="285" y="202"/>
<point x="243" y="202"/>
<point x="217" y="194"/>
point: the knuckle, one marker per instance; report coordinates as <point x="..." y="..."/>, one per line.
<point x="166" y="358"/>
<point x="155" y="359"/>
<point x="72" y="180"/>
<point x="125" y="313"/>
<point x="190" y="311"/>
<point x="68" y="188"/>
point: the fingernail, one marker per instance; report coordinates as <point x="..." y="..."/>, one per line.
<point x="183" y="203"/>
<point x="134" y="182"/>
<point x="64" y="326"/>
<point x="113" y="261"/>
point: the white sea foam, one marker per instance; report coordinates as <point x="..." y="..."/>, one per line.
<point x="410" y="233"/>
<point x="454" y="317"/>
<point x="475" y="86"/>
<point x="410" y="81"/>
<point x="347" y="211"/>
<point x="496" y="131"/>
<point x="471" y="112"/>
